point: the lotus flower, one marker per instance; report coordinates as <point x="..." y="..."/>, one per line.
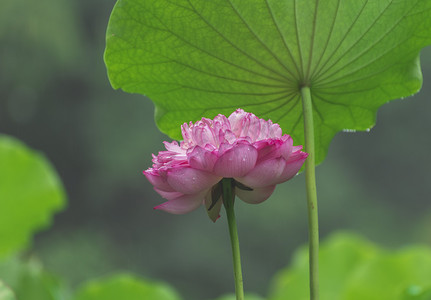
<point x="250" y="150"/>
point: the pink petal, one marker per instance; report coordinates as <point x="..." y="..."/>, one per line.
<point x="252" y="128"/>
<point x="292" y="166"/>
<point x="273" y="148"/>
<point x="245" y="124"/>
<point x="237" y="161"/>
<point x="168" y="195"/>
<point x="236" y="120"/>
<point x="267" y="149"/>
<point x="202" y="133"/>
<point x="255" y="196"/>
<point x="227" y="137"/>
<point x="269" y="130"/>
<point x="265" y="173"/>
<point x="157" y="180"/>
<point x="202" y="159"/>
<point x="297" y="148"/>
<point x="187" y="180"/>
<point x="183" y="204"/>
<point x="187" y="135"/>
<point x="286" y="148"/>
<point x="173" y="147"/>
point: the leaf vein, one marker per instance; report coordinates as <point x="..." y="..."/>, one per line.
<point x="206" y="52"/>
<point x="282" y="38"/>
<point x="319" y="71"/>
<point x="172" y="60"/>
<point x="251" y="104"/>
<point x="260" y="41"/>
<point x="327" y="40"/>
<point x="313" y="37"/>
<point x="367" y="50"/>
<point x="297" y="40"/>
<point x="236" y="47"/>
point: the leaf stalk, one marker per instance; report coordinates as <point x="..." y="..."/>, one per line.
<point x="310" y="185"/>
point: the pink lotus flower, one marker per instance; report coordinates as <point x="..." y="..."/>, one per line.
<point x="250" y="150"/>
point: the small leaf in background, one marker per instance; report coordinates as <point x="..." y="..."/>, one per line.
<point x="124" y="286"/>
<point x="30" y="192"/>
<point x="417" y="293"/>
<point x="197" y="58"/>
<point x="30" y="281"/>
<point x="5" y="292"/>
<point x="354" y="269"/>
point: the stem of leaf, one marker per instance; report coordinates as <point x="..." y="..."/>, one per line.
<point x="228" y="201"/>
<point x="310" y="183"/>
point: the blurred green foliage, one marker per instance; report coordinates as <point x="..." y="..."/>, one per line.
<point x="100" y="140"/>
<point x="30" y="193"/>
<point x="5" y="292"/>
<point x="417" y="293"/>
<point x="28" y="279"/>
<point x="352" y="268"/>
<point x="125" y="286"/>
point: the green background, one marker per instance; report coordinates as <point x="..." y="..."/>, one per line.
<point x="55" y="97"/>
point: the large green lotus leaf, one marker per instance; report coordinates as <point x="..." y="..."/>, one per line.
<point x="5" y="292"/>
<point x="352" y="268"/>
<point x="124" y="286"/>
<point x="30" y="192"/>
<point x="197" y="58"/>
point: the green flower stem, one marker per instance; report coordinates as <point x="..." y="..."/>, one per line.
<point x="228" y="201"/>
<point x="310" y="183"/>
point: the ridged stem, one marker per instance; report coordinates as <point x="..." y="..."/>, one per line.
<point x="310" y="183"/>
<point x="228" y="201"/>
